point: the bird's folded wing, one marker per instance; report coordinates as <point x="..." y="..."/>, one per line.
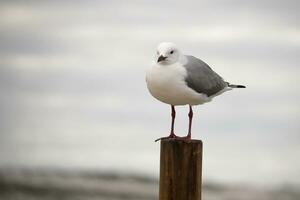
<point x="201" y="78"/>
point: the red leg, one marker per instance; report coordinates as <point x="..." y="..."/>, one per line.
<point x="173" y="114"/>
<point x="189" y="135"/>
<point x="172" y="134"/>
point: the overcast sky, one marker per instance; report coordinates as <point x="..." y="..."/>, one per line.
<point x="73" y="92"/>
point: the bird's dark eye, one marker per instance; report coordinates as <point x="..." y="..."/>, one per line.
<point x="171" y="52"/>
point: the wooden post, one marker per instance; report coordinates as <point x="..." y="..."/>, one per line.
<point x="180" y="170"/>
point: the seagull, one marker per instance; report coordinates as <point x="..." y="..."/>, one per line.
<point x="177" y="79"/>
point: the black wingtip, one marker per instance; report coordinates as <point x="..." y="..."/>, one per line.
<point x="235" y="86"/>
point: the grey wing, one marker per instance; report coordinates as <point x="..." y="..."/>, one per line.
<point x="201" y="78"/>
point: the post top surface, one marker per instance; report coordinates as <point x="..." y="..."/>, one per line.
<point x="192" y="141"/>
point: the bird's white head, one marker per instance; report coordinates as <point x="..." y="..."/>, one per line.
<point x="167" y="53"/>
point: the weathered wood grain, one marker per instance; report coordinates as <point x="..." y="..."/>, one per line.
<point x="180" y="170"/>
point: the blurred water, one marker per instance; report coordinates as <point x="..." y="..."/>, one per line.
<point x="52" y="184"/>
<point x="73" y="93"/>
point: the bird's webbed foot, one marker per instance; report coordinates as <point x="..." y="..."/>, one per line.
<point x="173" y="136"/>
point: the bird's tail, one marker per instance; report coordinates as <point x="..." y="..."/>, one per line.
<point x="235" y="86"/>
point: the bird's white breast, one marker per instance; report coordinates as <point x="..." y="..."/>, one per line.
<point x="167" y="84"/>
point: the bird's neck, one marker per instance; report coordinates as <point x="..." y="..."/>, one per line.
<point x="182" y="59"/>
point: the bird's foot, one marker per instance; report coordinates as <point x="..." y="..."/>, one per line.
<point x="173" y="136"/>
<point x="185" y="138"/>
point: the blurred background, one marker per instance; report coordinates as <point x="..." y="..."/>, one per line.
<point x="77" y="121"/>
